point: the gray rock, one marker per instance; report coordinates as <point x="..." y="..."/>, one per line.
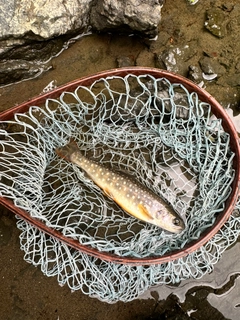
<point x="176" y="58"/>
<point x="41" y="19"/>
<point x="211" y="66"/>
<point x="16" y="70"/>
<point x="215" y="22"/>
<point x="195" y="74"/>
<point x="141" y="16"/>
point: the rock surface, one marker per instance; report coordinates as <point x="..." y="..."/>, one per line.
<point x="41" y="19"/>
<point x="215" y="22"/>
<point x="141" y="16"/>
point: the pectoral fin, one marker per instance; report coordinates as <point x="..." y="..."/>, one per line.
<point x="144" y="214"/>
<point x="108" y="193"/>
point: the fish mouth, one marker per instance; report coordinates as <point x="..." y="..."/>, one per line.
<point x="176" y="228"/>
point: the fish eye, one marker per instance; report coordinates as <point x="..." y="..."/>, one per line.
<point x="176" y="222"/>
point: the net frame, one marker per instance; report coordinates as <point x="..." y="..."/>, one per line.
<point x="173" y="78"/>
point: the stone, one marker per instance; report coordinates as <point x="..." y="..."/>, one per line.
<point x="138" y="16"/>
<point x="16" y="70"/>
<point x="175" y="58"/>
<point x="45" y="19"/>
<point x="41" y="19"/>
<point x="211" y="66"/>
<point x="195" y="74"/>
<point x="215" y="22"/>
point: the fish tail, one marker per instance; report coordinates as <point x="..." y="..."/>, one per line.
<point x="66" y="151"/>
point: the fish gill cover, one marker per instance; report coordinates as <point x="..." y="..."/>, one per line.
<point x="159" y="133"/>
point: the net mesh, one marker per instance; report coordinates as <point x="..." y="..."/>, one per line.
<point x="164" y="136"/>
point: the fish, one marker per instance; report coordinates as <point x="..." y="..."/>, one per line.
<point x="133" y="197"/>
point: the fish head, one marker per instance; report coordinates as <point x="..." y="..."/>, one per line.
<point x="167" y="219"/>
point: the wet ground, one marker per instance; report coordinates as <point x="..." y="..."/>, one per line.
<point x="186" y="46"/>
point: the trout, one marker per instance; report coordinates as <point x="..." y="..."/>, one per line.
<point x="127" y="192"/>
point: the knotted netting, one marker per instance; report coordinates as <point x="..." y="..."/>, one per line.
<point x="158" y="132"/>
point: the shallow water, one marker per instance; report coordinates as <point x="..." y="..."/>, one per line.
<point x="223" y="286"/>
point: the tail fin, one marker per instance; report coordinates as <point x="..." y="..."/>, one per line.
<point x="66" y="151"/>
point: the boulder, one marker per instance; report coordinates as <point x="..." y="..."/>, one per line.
<point x="45" y="19"/>
<point x="140" y="16"/>
<point x="41" y="19"/>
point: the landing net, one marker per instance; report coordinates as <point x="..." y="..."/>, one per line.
<point x="158" y="132"/>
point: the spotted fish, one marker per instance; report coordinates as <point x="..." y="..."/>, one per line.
<point x="128" y="193"/>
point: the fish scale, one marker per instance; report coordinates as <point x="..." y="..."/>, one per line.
<point x="128" y="193"/>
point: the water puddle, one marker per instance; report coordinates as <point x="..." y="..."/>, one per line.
<point x="228" y="303"/>
<point x="222" y="285"/>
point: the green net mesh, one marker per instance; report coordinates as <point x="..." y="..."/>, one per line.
<point x="161" y="134"/>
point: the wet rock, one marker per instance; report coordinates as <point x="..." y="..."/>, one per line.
<point x="29" y="59"/>
<point x="195" y="74"/>
<point x="41" y="19"/>
<point x="141" y="16"/>
<point x="178" y="99"/>
<point x="211" y="68"/>
<point x="175" y="58"/>
<point x="35" y="50"/>
<point x="16" y="70"/>
<point x="215" y="22"/>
